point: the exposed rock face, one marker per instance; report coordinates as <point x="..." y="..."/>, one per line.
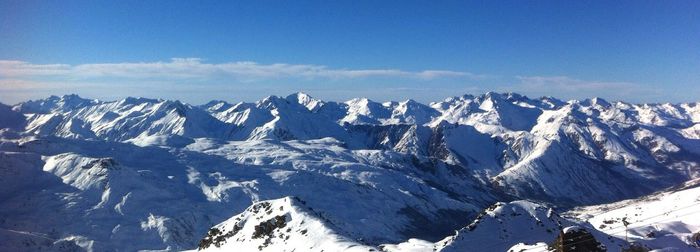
<point x="576" y="240"/>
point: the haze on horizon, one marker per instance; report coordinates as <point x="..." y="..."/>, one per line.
<point x="389" y="50"/>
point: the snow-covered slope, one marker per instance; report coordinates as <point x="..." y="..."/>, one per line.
<point x="505" y="225"/>
<point x="284" y="224"/>
<point x="167" y="197"/>
<point x="666" y="220"/>
<point x="160" y="173"/>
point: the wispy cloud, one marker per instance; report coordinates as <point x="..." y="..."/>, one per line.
<point x="186" y="77"/>
<point x="565" y="83"/>
<point x="195" y="80"/>
<point x="184" y="68"/>
<point x="567" y="87"/>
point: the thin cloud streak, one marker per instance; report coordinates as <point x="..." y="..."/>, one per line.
<point x="195" y="68"/>
<point x="248" y="80"/>
<point x="565" y="83"/>
<point x="572" y="88"/>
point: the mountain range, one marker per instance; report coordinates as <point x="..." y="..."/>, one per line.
<point x="492" y="172"/>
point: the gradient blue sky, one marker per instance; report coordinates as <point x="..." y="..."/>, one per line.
<point x="195" y="51"/>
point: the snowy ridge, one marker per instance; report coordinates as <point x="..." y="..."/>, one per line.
<point x="287" y="225"/>
<point x="278" y="225"/>
<point x="127" y="119"/>
<point x="505" y="225"/>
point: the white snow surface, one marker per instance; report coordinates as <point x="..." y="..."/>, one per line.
<point x="153" y="174"/>
<point x="507" y="226"/>
<point x="284" y="224"/>
<point x="663" y="221"/>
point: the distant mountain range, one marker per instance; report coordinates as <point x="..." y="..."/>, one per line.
<point x="300" y="174"/>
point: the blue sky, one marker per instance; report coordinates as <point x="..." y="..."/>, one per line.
<point x="195" y="51"/>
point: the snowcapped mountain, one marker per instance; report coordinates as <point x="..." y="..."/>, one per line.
<point x="54" y="104"/>
<point x="128" y="119"/>
<point x="150" y="174"/>
<point x="290" y="118"/>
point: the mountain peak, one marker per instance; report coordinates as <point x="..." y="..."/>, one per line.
<point x="54" y="103"/>
<point x="71" y="97"/>
<point x="305" y="100"/>
<point x="216" y="106"/>
<point x="599" y="101"/>
<point x="410" y="102"/>
<point x="508" y="96"/>
<point x="137" y="100"/>
<point x="359" y="100"/>
<point x="273" y="101"/>
<point x="299" y="95"/>
<point x="284" y="224"/>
